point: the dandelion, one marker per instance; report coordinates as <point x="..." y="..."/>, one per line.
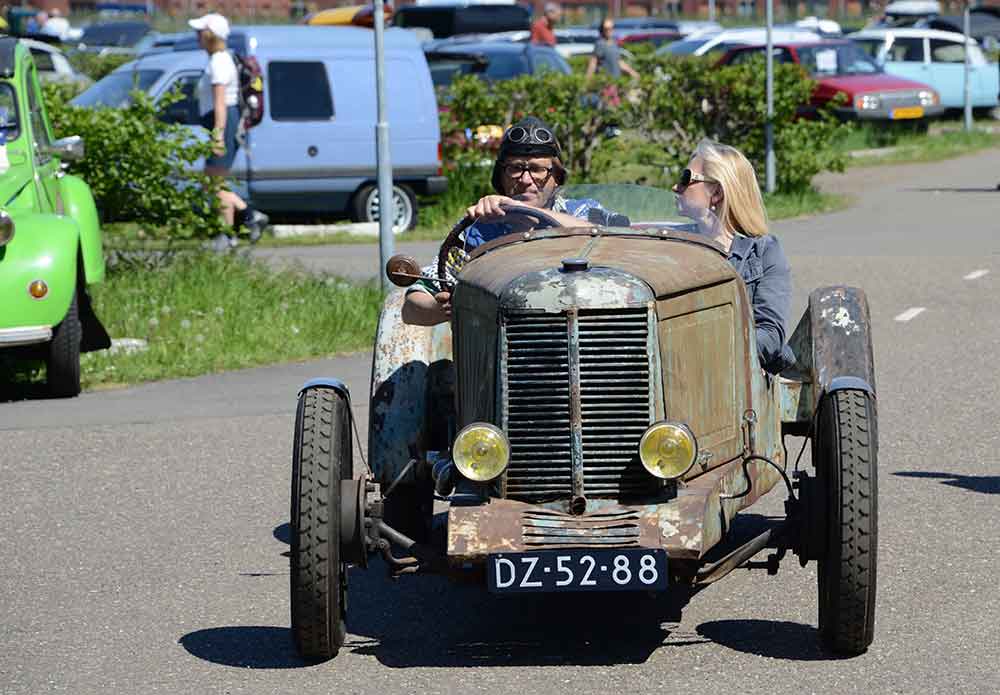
<point x="284" y="306"/>
<point x="219" y="311"/>
<point x="330" y="282"/>
<point x="185" y="324"/>
<point x="199" y="338"/>
<point x="295" y="330"/>
<point x="165" y="310"/>
<point x="154" y="322"/>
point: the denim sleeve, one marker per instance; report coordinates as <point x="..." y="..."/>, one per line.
<point x="772" y="305"/>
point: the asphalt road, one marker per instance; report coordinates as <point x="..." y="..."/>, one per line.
<point x="143" y="530"/>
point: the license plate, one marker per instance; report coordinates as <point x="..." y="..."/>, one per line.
<point x="907" y="112"/>
<point x="624" y="569"/>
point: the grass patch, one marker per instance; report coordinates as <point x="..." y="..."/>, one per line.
<point x="204" y="313"/>
<point x="933" y="148"/>
<point x="782" y="206"/>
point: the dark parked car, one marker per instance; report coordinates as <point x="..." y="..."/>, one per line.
<point x="841" y="67"/>
<point x="460" y="18"/>
<point x="492" y="60"/>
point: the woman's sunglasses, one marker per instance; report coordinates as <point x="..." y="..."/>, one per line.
<point x="688" y="177"/>
<point x="535" y="136"/>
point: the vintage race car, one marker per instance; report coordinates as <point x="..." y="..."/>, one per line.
<point x="594" y="418"/>
<point x="50" y="236"/>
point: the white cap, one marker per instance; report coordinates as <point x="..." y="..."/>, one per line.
<point x="214" y="22"/>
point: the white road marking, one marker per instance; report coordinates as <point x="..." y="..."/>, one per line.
<point x="975" y="274"/>
<point x="910" y="313"/>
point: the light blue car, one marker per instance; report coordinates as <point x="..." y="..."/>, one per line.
<point x="936" y="58"/>
<point x="314" y="151"/>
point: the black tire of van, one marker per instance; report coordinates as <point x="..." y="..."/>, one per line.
<point x="365" y="203"/>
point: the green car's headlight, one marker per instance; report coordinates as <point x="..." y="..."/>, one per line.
<point x="668" y="450"/>
<point x="6" y="228"/>
<point x="481" y="452"/>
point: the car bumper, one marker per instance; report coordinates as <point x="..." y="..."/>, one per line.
<point x="26" y="335"/>
<point x="892" y="114"/>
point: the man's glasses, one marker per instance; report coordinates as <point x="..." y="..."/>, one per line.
<point x="540" y="174"/>
<point x="535" y="135"/>
<point x="688" y="177"/>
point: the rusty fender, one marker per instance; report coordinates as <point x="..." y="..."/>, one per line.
<point x="400" y="366"/>
<point x="686" y="526"/>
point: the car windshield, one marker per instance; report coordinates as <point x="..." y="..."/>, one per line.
<point x="684" y="48"/>
<point x="113" y="91"/>
<point x="120" y="35"/>
<point x="642" y="205"/>
<point x="9" y="126"/>
<point x="842" y="59"/>
<point x="444" y="70"/>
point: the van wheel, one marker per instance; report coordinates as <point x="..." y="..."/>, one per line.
<point x="364" y="207"/>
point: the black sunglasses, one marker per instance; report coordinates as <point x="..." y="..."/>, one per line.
<point x="539" y="173"/>
<point x="688" y="177"/>
<point x="535" y="135"/>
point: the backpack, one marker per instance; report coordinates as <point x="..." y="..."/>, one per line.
<point x="251" y="91"/>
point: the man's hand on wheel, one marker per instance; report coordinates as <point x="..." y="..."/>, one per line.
<point x="489" y="206"/>
<point x="444" y="303"/>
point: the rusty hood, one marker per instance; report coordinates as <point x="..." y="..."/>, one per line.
<point x="667" y="262"/>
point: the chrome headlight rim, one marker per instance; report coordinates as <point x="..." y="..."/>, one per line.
<point x="6" y="228"/>
<point x="686" y="431"/>
<point x="463" y="468"/>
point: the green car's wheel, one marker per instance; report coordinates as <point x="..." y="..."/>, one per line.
<point x="846" y="453"/>
<point x="63" y="360"/>
<point x="321" y="458"/>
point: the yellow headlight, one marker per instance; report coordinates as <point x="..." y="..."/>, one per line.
<point x="481" y="452"/>
<point x="668" y="450"/>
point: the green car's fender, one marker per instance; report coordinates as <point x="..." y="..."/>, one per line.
<point x="78" y="203"/>
<point x="44" y="247"/>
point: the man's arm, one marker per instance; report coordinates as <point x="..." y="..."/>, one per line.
<point x="592" y="66"/>
<point x="628" y="69"/>
<point x="421" y="308"/>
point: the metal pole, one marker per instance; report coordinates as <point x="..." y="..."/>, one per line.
<point x="386" y="210"/>
<point x="769" y="160"/>
<point x="711" y="10"/>
<point x="967" y="92"/>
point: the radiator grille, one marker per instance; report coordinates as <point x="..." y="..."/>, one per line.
<point x="614" y="402"/>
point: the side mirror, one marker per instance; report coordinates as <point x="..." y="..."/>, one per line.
<point x="69" y="149"/>
<point x="403" y="270"/>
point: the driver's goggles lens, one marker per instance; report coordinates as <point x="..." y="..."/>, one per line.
<point x="539" y="173"/>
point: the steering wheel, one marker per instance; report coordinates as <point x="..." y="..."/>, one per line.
<point x="541" y="220"/>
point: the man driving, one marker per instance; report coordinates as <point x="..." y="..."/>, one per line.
<point x="527" y="172"/>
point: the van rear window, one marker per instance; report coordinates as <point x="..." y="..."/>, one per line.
<point x="299" y="91"/>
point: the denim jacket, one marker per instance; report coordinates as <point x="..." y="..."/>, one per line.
<point x="762" y="264"/>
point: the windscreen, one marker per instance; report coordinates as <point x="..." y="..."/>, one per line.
<point x="444" y="69"/>
<point x="843" y="59"/>
<point x="119" y="35"/>
<point x="113" y="91"/>
<point x="9" y="126"/>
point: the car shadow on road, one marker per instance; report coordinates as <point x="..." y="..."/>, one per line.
<point x="433" y="621"/>
<point x="774" y="639"/>
<point x="986" y="484"/>
<point x="244" y="646"/>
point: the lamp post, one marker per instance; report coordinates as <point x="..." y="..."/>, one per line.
<point x="386" y="207"/>
<point x="966" y="86"/>
<point x="769" y="160"/>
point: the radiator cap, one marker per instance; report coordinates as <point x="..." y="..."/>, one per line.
<point x="572" y="265"/>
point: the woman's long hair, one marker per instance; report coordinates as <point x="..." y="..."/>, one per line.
<point x="742" y="207"/>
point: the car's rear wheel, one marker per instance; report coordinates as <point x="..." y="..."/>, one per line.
<point x="846" y="453"/>
<point x="365" y="207"/>
<point x="62" y="363"/>
<point x="321" y="458"/>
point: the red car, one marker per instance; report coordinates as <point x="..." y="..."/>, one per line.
<point x="841" y="67"/>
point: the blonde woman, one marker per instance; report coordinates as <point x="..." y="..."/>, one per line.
<point x="218" y="106"/>
<point x="719" y="190"/>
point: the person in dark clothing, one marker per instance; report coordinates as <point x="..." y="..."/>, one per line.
<point x="719" y="190"/>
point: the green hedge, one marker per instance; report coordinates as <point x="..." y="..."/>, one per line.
<point x="675" y="103"/>
<point x="135" y="165"/>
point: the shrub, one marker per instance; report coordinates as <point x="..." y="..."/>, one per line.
<point x="95" y="65"/>
<point x="135" y="165"/>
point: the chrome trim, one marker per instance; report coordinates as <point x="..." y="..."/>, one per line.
<point x="27" y="335"/>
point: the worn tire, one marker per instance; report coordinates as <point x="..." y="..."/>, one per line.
<point x="321" y="458"/>
<point x="62" y="363"/>
<point x="846" y="456"/>
<point x="364" y="203"/>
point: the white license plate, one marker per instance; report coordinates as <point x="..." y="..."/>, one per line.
<point x="617" y="569"/>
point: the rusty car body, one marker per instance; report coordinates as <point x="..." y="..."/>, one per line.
<point x="572" y="344"/>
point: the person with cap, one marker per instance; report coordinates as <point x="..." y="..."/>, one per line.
<point x="218" y="106"/>
<point x="527" y="172"/>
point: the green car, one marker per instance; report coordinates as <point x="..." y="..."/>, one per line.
<point x="50" y="236"/>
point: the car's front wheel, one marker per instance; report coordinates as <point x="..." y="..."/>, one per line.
<point x="321" y="458"/>
<point x="365" y="207"/>
<point x="62" y="363"/>
<point x="846" y="453"/>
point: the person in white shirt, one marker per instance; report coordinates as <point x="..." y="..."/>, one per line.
<point x="218" y="106"/>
